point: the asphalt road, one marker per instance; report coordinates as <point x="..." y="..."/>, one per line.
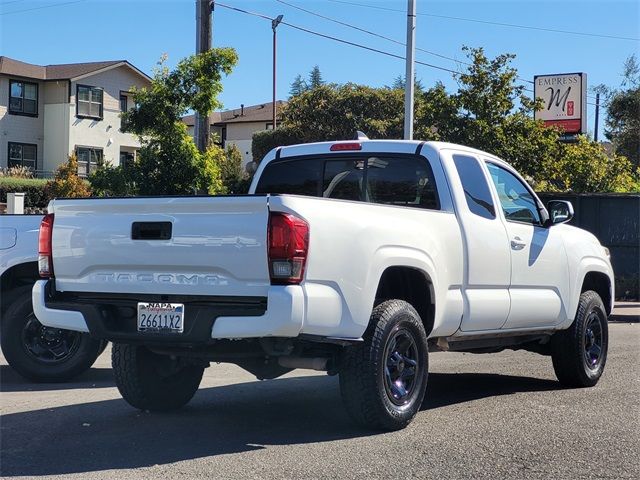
<point x="486" y="416"/>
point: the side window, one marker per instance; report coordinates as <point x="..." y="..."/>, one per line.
<point x="517" y="201"/>
<point x="401" y="181"/>
<point x="343" y="179"/>
<point x="474" y="184"/>
<point x="295" y="177"/>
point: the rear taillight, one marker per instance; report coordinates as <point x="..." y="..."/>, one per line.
<point x="45" y="257"/>
<point x="288" y="246"/>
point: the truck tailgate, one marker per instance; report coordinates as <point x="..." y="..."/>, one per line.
<point x="216" y="245"/>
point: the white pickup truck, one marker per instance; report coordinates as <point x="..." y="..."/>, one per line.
<point x="354" y="257"/>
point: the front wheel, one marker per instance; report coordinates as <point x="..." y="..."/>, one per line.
<point x="579" y="353"/>
<point x="383" y="380"/>
<point x="40" y="353"/>
<point x="154" y="382"/>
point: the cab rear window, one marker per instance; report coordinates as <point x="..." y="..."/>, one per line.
<point x="404" y="180"/>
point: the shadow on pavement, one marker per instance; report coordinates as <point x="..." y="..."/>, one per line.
<point x="452" y="388"/>
<point x="109" y="434"/>
<point x="11" y="381"/>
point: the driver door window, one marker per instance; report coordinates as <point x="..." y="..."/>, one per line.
<point x="516" y="200"/>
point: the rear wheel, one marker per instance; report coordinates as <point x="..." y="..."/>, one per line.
<point x="579" y="353"/>
<point x="40" y="353"/>
<point x="383" y="380"/>
<point x="150" y="381"/>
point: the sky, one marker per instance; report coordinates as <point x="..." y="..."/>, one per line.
<point x="68" y="31"/>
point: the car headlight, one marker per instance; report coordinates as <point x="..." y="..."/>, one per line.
<point x="607" y="252"/>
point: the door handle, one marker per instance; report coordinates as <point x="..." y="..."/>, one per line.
<point x="517" y="243"/>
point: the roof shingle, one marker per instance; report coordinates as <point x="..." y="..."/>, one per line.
<point x="9" y="66"/>
<point x="262" y="112"/>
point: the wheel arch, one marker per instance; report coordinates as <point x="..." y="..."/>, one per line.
<point x="411" y="284"/>
<point x="19" y="275"/>
<point x="600" y="283"/>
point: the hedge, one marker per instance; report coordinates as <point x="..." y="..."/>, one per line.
<point x="263" y="142"/>
<point x="34" y="189"/>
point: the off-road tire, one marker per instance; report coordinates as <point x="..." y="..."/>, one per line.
<point x="153" y="382"/>
<point x="568" y="347"/>
<point x="18" y="315"/>
<point x="362" y="373"/>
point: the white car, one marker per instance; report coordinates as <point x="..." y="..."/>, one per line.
<point x="37" y="352"/>
<point x="354" y="257"/>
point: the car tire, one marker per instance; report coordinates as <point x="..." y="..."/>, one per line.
<point x="39" y="353"/>
<point x="383" y="380"/>
<point x="149" y="381"/>
<point x="579" y="353"/>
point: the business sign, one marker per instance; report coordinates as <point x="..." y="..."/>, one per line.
<point x="565" y="101"/>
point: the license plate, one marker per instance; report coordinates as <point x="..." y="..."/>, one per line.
<point x="161" y="317"/>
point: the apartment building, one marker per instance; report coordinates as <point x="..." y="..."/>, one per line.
<point x="48" y="112"/>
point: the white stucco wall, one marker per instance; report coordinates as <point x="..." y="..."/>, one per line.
<point x="104" y="133"/>
<point x="241" y="135"/>
<point x="56" y="135"/>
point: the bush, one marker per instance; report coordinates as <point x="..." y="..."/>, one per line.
<point x="584" y="166"/>
<point x="234" y="178"/>
<point x="18" y="171"/>
<point x="66" y="183"/>
<point x="110" y="181"/>
<point x="33" y="188"/>
<point x="263" y="142"/>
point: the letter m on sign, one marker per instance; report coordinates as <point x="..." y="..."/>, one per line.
<point x="558" y="98"/>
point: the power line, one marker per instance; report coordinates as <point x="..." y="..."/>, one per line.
<point x="41" y="7"/>
<point x="526" y="80"/>
<point x="13" y="1"/>
<point x="386" y="38"/>
<point x="369" y="32"/>
<point x="336" y="39"/>
<point x="500" y="24"/>
<point x="354" y="44"/>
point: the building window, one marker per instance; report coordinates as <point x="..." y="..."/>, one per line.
<point x="22" y="155"/>
<point x="123" y="103"/>
<point x="89" y="102"/>
<point x="126" y="159"/>
<point x="88" y="160"/>
<point x="23" y="98"/>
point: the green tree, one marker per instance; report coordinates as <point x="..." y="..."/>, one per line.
<point x="315" y="78"/>
<point x="489" y="111"/>
<point x="399" y="83"/>
<point x="298" y="86"/>
<point x="622" y="125"/>
<point x="168" y="161"/>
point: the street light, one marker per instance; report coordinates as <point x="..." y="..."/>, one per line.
<point x="274" y="25"/>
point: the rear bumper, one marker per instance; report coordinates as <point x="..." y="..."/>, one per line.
<point x="113" y="316"/>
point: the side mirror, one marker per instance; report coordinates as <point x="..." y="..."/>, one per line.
<point x="560" y="211"/>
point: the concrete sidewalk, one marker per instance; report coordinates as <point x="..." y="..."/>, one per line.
<point x="625" y="312"/>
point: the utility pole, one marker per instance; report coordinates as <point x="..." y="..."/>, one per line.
<point x="274" y="25"/>
<point x="204" y="11"/>
<point x="595" y="133"/>
<point x="410" y="70"/>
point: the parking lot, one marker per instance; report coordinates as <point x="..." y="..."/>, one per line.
<point x="486" y="416"/>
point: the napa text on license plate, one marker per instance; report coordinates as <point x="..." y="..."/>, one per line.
<point x="160" y="317"/>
